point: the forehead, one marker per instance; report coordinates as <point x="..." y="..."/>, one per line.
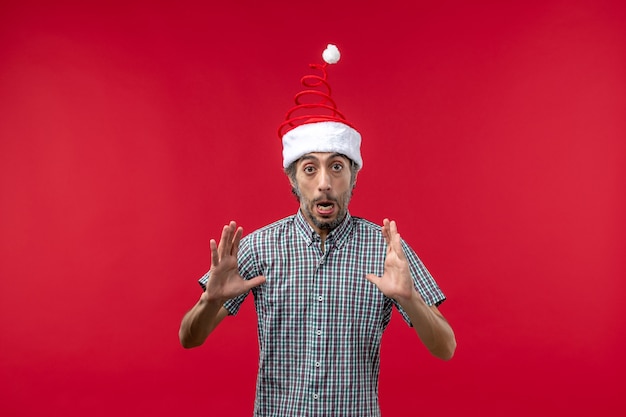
<point x="322" y="157"/>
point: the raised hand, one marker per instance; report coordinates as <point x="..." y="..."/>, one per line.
<point x="225" y="282"/>
<point x="396" y="281"/>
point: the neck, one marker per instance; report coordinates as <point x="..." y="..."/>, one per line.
<point x="323" y="234"/>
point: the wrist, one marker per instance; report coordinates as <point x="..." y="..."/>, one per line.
<point x="207" y="298"/>
<point x="413" y="299"/>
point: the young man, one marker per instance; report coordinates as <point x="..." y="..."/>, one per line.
<point x="324" y="285"/>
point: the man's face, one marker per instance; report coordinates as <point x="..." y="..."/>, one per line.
<point x="324" y="188"/>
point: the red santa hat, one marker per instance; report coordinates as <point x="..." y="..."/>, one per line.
<point x="314" y="124"/>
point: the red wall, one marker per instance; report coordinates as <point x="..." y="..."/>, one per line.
<point x="494" y="133"/>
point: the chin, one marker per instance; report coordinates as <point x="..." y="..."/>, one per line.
<point x="326" y="223"/>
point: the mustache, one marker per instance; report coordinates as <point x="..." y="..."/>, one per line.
<point x="325" y="198"/>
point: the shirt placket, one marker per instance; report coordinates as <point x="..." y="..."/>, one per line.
<point x="319" y="320"/>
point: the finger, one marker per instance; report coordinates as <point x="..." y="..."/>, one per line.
<point x="255" y="282"/>
<point x="385" y="230"/>
<point x="393" y="228"/>
<point x="396" y="242"/>
<point x="394" y="236"/>
<point x="225" y="244"/>
<point x="220" y="245"/>
<point x="374" y="279"/>
<point x="215" y="259"/>
<point x="236" y="240"/>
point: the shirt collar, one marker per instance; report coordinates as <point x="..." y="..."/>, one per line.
<point x="337" y="237"/>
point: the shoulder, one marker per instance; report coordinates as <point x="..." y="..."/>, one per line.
<point x="365" y="226"/>
<point x="366" y="234"/>
<point x="263" y="243"/>
<point x="373" y="232"/>
<point x="277" y="228"/>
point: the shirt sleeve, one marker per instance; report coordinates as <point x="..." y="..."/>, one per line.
<point x="247" y="269"/>
<point x="424" y="283"/>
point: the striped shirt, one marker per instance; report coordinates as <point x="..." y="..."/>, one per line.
<point x="320" y="321"/>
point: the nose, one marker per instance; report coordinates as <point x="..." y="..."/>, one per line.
<point x="324" y="180"/>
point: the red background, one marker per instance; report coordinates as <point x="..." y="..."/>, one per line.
<point x="130" y="132"/>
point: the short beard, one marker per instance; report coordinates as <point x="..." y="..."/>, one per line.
<point x="332" y="224"/>
<point x="295" y="190"/>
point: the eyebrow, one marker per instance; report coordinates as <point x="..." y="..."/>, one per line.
<point x="314" y="158"/>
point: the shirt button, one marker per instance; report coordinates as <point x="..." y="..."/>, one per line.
<point x="319" y="332"/>
<point x="317" y="364"/>
<point x="319" y="298"/>
<point x="315" y="396"/>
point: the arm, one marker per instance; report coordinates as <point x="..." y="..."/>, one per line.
<point x="396" y="282"/>
<point x="225" y="283"/>
<point x="431" y="327"/>
<point x="200" y="321"/>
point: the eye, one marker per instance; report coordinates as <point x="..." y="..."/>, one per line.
<point x="337" y="167"/>
<point x="309" y="169"/>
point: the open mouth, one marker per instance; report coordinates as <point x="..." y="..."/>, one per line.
<point x="325" y="207"/>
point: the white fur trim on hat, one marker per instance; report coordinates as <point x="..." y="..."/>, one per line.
<point x="322" y="137"/>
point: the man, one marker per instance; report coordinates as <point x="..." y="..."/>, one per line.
<point x="324" y="285"/>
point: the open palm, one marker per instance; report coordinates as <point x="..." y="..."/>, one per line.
<point x="225" y="282"/>
<point x="396" y="281"/>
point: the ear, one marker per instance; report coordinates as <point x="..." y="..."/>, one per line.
<point x="291" y="181"/>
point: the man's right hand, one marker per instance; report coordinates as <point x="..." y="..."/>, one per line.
<point x="225" y="282"/>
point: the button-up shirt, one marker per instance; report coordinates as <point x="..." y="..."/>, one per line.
<point x="320" y="321"/>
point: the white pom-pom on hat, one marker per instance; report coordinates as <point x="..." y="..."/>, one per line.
<point x="331" y="54"/>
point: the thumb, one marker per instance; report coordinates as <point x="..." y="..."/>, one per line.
<point x="255" y="282"/>
<point x="374" y="279"/>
